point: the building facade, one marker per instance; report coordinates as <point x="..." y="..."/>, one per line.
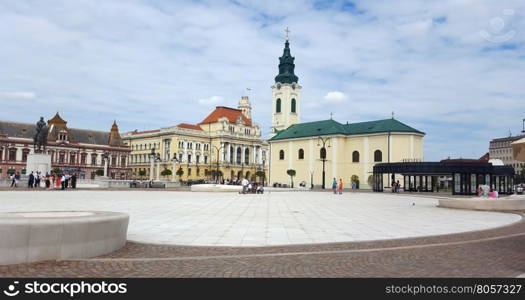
<point x="322" y="150"/>
<point x="76" y="150"/>
<point x="225" y="145"/>
<point x="501" y="148"/>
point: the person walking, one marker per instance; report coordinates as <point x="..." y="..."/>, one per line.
<point x="13" y="181"/>
<point x="38" y="178"/>
<point x="17" y="179"/>
<point x="334" y="186"/>
<point x="398" y="186"/>
<point x="74" y="181"/>
<point x="48" y="181"/>
<point x="31" y="181"/>
<point x="354" y="186"/>
<point x="340" y="186"/>
<point x="63" y="181"/>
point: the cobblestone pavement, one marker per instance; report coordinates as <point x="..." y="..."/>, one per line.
<point x="498" y="252"/>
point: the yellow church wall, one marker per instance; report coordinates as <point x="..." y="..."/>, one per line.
<point x="339" y="157"/>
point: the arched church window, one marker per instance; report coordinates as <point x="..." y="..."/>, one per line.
<point x="278" y="106"/>
<point x="378" y="156"/>
<point x="301" y="154"/>
<point x="355" y="156"/>
<point x="293" y="105"/>
<point x="281" y="155"/>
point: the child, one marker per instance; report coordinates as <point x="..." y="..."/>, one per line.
<point x="340" y="186"/>
<point x="334" y="186"/>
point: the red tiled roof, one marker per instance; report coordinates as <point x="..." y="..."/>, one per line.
<point x="485" y="157"/>
<point x="143" y="132"/>
<point x="231" y="113"/>
<point x="189" y="126"/>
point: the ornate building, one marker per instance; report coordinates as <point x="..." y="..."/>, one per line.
<point x="75" y="150"/>
<point x="322" y="150"/>
<point x="226" y="142"/>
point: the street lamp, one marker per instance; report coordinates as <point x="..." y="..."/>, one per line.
<point x="151" y="156"/>
<point x="324" y="143"/>
<point x="218" y="156"/>
<point x="174" y="161"/>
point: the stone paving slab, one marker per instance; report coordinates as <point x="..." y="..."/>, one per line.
<point x="284" y="218"/>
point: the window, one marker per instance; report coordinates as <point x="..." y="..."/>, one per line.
<point x="378" y="156"/>
<point x="239" y="153"/>
<point x="278" y="106"/>
<point x="83" y="158"/>
<point x="197" y="159"/>
<point x="72" y="158"/>
<point x="322" y="153"/>
<point x="231" y="153"/>
<point x="301" y="154"/>
<point x="189" y="158"/>
<point x="247" y="155"/>
<point x="113" y="161"/>
<point x="281" y="155"/>
<point x="12" y="154"/>
<point x="293" y="105"/>
<point x="189" y="171"/>
<point x="93" y="159"/>
<point x="25" y="152"/>
<point x="61" y="158"/>
<point x="123" y="161"/>
<point x="205" y="159"/>
<point x="355" y="156"/>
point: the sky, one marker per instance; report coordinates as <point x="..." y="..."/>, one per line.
<point x="452" y="69"/>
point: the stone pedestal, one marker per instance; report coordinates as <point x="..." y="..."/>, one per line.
<point x="38" y="162"/>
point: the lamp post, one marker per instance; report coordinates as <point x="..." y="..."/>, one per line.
<point x="324" y="142"/>
<point x="157" y="160"/>
<point x="218" y="156"/>
<point x="174" y="162"/>
<point x="105" y="157"/>
<point x="151" y="163"/>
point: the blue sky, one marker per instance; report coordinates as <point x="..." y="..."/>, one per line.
<point x="453" y="69"/>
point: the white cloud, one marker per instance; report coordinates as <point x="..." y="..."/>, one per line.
<point x="213" y="100"/>
<point x="17" y="95"/>
<point x="335" y="97"/>
<point x="140" y="62"/>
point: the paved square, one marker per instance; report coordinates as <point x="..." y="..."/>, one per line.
<point x="278" y="218"/>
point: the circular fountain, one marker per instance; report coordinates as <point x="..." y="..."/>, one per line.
<point x="57" y="235"/>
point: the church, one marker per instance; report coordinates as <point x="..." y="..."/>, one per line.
<point x="322" y="150"/>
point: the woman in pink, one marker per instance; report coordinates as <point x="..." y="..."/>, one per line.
<point x="59" y="179"/>
<point x="340" y="186"/>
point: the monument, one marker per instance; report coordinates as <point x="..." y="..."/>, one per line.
<point x="39" y="161"/>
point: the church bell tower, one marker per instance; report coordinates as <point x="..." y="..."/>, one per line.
<point x="286" y="93"/>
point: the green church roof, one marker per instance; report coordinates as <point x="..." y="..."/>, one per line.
<point x="331" y="127"/>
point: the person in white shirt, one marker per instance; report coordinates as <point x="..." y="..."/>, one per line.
<point x="244" y="184"/>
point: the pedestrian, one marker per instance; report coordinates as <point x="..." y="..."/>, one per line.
<point x="398" y="186"/>
<point x="38" y="178"/>
<point x="340" y="186"/>
<point x="13" y="181"/>
<point x="334" y="186"/>
<point x="17" y="179"/>
<point x="354" y="186"/>
<point x="74" y="181"/>
<point x="48" y="181"/>
<point x="31" y="182"/>
<point x="63" y="181"/>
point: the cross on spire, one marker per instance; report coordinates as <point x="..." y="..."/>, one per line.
<point x="331" y="115"/>
<point x="287" y="32"/>
<point x="392" y="114"/>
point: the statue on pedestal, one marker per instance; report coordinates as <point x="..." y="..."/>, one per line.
<point x="40" y="138"/>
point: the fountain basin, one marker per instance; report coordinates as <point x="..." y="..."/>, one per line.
<point x="58" y="235"/>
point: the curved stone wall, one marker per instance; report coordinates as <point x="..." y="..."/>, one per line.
<point x="37" y="236"/>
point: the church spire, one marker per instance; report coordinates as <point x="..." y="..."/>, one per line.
<point x="286" y="65"/>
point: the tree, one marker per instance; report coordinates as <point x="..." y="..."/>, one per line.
<point x="180" y="172"/>
<point x="166" y="172"/>
<point x="142" y="173"/>
<point x="58" y="171"/>
<point x="98" y="172"/>
<point x="261" y="175"/>
<point x="291" y="173"/>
